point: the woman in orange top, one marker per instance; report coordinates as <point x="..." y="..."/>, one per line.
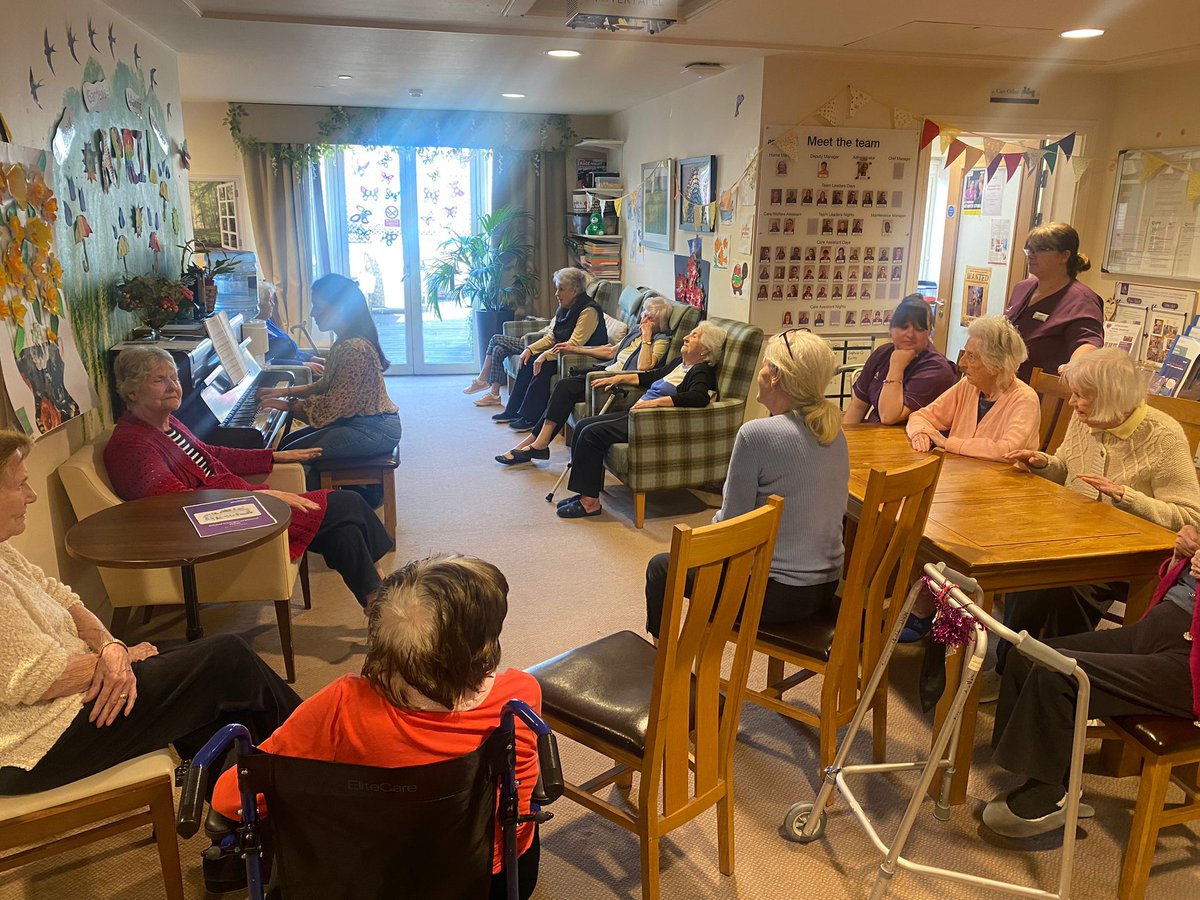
<point x="428" y="692"/>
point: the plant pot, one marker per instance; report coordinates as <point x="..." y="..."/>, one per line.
<point x="487" y="323"/>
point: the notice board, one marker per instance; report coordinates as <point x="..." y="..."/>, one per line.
<point x="1153" y="229"/>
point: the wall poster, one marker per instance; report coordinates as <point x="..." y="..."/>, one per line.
<point x="1153" y="228"/>
<point x="833" y="227"/>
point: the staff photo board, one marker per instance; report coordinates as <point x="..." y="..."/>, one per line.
<point x="835" y="217"/>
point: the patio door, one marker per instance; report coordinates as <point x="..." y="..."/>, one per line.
<point x="389" y="209"/>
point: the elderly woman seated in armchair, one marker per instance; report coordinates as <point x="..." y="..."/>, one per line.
<point x="688" y="381"/>
<point x="76" y="700"/>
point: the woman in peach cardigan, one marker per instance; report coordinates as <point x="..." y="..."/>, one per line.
<point x="989" y="413"/>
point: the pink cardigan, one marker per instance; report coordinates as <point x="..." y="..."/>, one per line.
<point x="1170" y="573"/>
<point x="1012" y="424"/>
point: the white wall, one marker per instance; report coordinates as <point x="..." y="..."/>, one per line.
<point x="215" y="158"/>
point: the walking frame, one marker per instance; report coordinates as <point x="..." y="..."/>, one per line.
<point x="803" y="826"/>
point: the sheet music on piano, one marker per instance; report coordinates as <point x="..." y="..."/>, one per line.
<point x="233" y="357"/>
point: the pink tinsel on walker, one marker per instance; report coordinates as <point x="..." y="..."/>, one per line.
<point x="951" y="626"/>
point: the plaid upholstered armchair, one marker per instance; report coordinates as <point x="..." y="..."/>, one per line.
<point x="680" y="448"/>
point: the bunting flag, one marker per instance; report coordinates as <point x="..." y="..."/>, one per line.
<point x="1033" y="159"/>
<point x="902" y="118"/>
<point x="954" y="151"/>
<point x="828" y="111"/>
<point x="1012" y="162"/>
<point x="1051" y="157"/>
<point x="1079" y="165"/>
<point x="993" y="165"/>
<point x="929" y="131"/>
<point x="789" y="143"/>
<point x="617" y="205"/>
<point x="1193" y="188"/>
<point x="712" y="215"/>
<point x="858" y="99"/>
<point x="992" y="147"/>
<point x="948" y="136"/>
<point x="1067" y="145"/>
<point x="970" y="157"/>
<point x="1151" y="166"/>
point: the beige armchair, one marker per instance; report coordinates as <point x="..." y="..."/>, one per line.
<point x="263" y="573"/>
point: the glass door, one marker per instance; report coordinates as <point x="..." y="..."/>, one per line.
<point x="390" y="209"/>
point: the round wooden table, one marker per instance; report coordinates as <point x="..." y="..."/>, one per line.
<point x="155" y="533"/>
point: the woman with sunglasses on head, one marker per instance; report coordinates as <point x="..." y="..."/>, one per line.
<point x="1058" y="318"/>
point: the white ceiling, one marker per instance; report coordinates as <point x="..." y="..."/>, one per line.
<point x="463" y="53"/>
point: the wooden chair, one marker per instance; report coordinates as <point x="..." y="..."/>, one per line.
<point x="661" y="712"/>
<point x="843" y="646"/>
<point x="1053" y="393"/>
<point x="143" y="786"/>
<point x="1185" y="412"/>
<point x="379" y="470"/>
<point x="1169" y="750"/>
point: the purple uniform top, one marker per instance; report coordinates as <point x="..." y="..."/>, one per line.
<point x="927" y="377"/>
<point x="1056" y="325"/>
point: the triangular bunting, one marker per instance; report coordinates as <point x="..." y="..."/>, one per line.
<point x="954" y="152"/>
<point x="1079" y="165"/>
<point x="902" y="118"/>
<point x="1151" y="166"/>
<point x="948" y="137"/>
<point x="789" y="143"/>
<point x="929" y="131"/>
<point x="858" y="99"/>
<point x="617" y="205"/>
<point x="1067" y="145"/>
<point x="828" y="111"/>
<point x="1051" y="157"/>
<point x="712" y="215"/>
<point x="970" y="157"/>
<point x="993" y="165"/>
<point x="1193" y="188"/>
<point x="1012" y="162"/>
<point x="1033" y="159"/>
<point x="992" y="146"/>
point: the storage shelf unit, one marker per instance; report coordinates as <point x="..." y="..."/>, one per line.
<point x="597" y="254"/>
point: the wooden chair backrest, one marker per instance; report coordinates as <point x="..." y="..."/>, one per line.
<point x="1185" y="412"/>
<point x="894" y="509"/>
<point x="732" y="560"/>
<point x="1053" y="393"/>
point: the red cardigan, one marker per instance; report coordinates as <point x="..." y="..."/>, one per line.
<point x="1170" y="572"/>
<point x="143" y="462"/>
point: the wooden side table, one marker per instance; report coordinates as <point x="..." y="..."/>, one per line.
<point x="155" y="533"/>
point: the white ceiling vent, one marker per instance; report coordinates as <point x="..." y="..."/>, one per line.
<point x="651" y="16"/>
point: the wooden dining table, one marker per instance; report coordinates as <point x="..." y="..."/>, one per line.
<point x="1012" y="530"/>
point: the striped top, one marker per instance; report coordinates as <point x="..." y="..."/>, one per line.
<point x="190" y="449"/>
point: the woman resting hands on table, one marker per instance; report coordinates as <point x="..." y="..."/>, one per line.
<point x="74" y="700"/>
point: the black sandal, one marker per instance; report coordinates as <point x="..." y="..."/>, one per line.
<point x="516" y="456"/>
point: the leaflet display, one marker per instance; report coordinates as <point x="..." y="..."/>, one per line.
<point x="1153" y="227"/>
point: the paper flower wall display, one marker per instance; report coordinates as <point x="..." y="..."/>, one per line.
<point x="30" y="273"/>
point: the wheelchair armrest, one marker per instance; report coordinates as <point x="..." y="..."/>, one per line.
<point x="550" y="780"/>
<point x="191" y="798"/>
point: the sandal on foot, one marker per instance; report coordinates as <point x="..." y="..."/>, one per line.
<point x="489" y="400"/>
<point x="518" y="455"/>
<point x="576" y="510"/>
<point x="475" y="386"/>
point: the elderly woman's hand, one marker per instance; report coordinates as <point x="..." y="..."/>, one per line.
<point x="538" y="362"/>
<point x="141" y="651"/>
<point x="296" y="456"/>
<point x="611" y="381"/>
<point x="1028" y="459"/>
<point x="295" y="501"/>
<point x="922" y="442"/>
<point x="1187" y="541"/>
<point x="113" y="687"/>
<point x="1106" y="486"/>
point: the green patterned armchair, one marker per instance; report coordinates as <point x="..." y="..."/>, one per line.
<point x="679" y="448"/>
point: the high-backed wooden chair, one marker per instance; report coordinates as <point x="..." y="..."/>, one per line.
<point x="1169" y="750"/>
<point x="143" y="787"/>
<point x="1185" y="412"/>
<point x="1053" y="393"/>
<point x="662" y="712"/>
<point x="843" y="645"/>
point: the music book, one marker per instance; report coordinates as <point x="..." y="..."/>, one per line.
<point x="225" y="516"/>
<point x="232" y="357"/>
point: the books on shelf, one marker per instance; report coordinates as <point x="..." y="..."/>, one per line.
<point x="601" y="259"/>
<point x="1179" y="371"/>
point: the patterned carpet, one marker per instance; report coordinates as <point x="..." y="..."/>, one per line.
<point x="572" y="582"/>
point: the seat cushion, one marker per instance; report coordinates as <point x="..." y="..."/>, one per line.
<point x="603" y="689"/>
<point x="385" y="461"/>
<point x="134" y="771"/>
<point x="1162" y="734"/>
<point x="812" y="638"/>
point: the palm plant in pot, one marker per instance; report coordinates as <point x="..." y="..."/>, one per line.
<point x="491" y="270"/>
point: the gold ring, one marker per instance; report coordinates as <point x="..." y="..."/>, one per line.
<point x="123" y="696"/>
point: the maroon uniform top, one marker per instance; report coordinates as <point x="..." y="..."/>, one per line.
<point x="927" y="377"/>
<point x="1056" y="325"/>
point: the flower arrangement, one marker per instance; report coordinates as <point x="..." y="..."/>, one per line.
<point x="156" y="298"/>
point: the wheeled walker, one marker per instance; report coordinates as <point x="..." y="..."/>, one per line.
<point x="805" y="822"/>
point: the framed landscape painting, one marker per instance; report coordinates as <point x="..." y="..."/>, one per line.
<point x="697" y="193"/>
<point x="657" y="204"/>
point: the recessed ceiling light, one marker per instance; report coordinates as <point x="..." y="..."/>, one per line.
<point x="563" y="54"/>
<point x="345" y="77"/>
<point x="514" y="96"/>
<point x="1083" y="33"/>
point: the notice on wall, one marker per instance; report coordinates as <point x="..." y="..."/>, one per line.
<point x="993" y="195"/>
<point x="835" y="210"/>
<point x="998" y="244"/>
<point x="975" y="291"/>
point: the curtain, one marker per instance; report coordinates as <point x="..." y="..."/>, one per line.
<point x="281" y="208"/>
<point x="537" y="182"/>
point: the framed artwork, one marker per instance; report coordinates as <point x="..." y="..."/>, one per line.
<point x="697" y="191"/>
<point x="658" y="189"/>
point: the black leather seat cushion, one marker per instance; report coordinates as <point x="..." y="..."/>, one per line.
<point x="813" y="637"/>
<point x="1163" y="734"/>
<point x="385" y="461"/>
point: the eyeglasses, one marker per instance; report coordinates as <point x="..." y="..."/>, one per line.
<point x="1029" y="251"/>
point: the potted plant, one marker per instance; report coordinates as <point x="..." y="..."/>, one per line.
<point x="193" y="273"/>
<point x="492" y="270"/>
<point x="156" y="299"/>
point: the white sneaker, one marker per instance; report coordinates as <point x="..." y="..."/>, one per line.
<point x="489" y="400"/>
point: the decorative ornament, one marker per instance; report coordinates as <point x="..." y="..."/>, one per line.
<point x="34" y="87"/>
<point x="902" y="118"/>
<point x="828" y="111"/>
<point x="858" y="99"/>
<point x="1067" y="144"/>
<point x="595" y="224"/>
<point x="991" y="147"/>
<point x="971" y="156"/>
<point x="948" y="136"/>
<point x="1193" y="186"/>
<point x="1151" y="166"/>
<point x="929" y="131"/>
<point x="951" y="626"/>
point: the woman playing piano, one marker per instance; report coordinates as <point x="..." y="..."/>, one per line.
<point x="152" y="453"/>
<point x="348" y="409"/>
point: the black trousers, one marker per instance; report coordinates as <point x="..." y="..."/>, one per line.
<point x="593" y="436"/>
<point x="531" y="392"/>
<point x="1140" y="668"/>
<point x="352" y="539"/>
<point x="567" y="392"/>
<point x="782" y="603"/>
<point x="184" y="696"/>
<point x="1057" y="612"/>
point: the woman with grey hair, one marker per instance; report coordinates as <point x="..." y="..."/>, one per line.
<point x="689" y="381"/>
<point x="429" y="690"/>
<point x="1117" y="450"/>
<point x="642" y="349"/>
<point x="989" y="413"/>
<point x="800" y="454"/>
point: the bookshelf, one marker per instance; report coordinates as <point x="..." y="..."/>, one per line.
<point x="597" y="254"/>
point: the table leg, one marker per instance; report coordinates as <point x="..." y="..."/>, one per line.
<point x="191" y="603"/>
<point x="1141" y="591"/>
<point x="966" y="740"/>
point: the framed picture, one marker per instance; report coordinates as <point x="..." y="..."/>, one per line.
<point x="697" y="191"/>
<point x="658" y="189"/>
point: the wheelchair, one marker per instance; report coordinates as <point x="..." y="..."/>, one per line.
<point x="341" y="830"/>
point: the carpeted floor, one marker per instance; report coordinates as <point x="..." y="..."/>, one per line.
<point x="571" y="582"/>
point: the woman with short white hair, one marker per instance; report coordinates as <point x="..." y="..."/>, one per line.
<point x="800" y="454"/>
<point x="989" y="413"/>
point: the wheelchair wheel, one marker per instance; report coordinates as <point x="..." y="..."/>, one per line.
<point x="797" y="818"/>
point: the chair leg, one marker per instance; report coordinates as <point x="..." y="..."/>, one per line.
<point x="725" y="828"/>
<point x="120" y="620"/>
<point x="283" y="615"/>
<point x="774" y="672"/>
<point x="305" y="590"/>
<point x="639" y="509"/>
<point x="326" y="481"/>
<point x="624" y="781"/>
<point x="1143" y="832"/>
<point x="389" y="502"/>
<point x="162" y="813"/>
<point x="147" y="612"/>
<point x="650" y="885"/>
